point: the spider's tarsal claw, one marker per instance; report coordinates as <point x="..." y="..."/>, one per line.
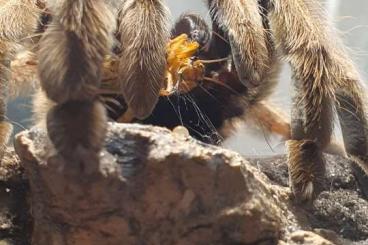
<point x="77" y="128"/>
<point x="306" y="169"/>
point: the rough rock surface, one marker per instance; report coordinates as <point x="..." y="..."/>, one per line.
<point x="153" y="186"/>
<point x="15" y="221"/>
<point x="341" y="209"/>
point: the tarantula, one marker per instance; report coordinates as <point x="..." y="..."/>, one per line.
<point x="71" y="53"/>
<point x="202" y="91"/>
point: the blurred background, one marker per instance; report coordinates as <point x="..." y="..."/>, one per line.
<point x="349" y="17"/>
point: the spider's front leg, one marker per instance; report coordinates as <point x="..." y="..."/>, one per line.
<point x="18" y="19"/>
<point x="70" y="58"/>
<point x="243" y="23"/>
<point x="323" y="74"/>
<point x="143" y="33"/>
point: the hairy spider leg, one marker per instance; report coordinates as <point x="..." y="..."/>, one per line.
<point x="324" y="75"/>
<point x="143" y="33"/>
<point x="18" y="20"/>
<point x="80" y="36"/>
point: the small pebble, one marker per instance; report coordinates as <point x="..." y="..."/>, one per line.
<point x="181" y="132"/>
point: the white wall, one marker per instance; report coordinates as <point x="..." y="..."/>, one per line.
<point x="178" y="7"/>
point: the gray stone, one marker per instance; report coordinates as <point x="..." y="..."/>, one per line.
<point x="152" y="186"/>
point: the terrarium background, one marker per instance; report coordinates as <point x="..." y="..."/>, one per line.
<point x="349" y="17"/>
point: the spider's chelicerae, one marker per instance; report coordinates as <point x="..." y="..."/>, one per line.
<point x="255" y="33"/>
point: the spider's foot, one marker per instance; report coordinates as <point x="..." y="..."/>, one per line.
<point x="77" y="128"/>
<point x="306" y="169"/>
<point x="361" y="172"/>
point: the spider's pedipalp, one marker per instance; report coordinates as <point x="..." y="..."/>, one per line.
<point x="242" y="22"/>
<point x="143" y="35"/>
<point x="321" y="70"/>
<point x="246" y="25"/>
<point x="80" y="36"/>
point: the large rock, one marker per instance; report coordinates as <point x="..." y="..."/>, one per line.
<point x="15" y="221"/>
<point x="154" y="186"/>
